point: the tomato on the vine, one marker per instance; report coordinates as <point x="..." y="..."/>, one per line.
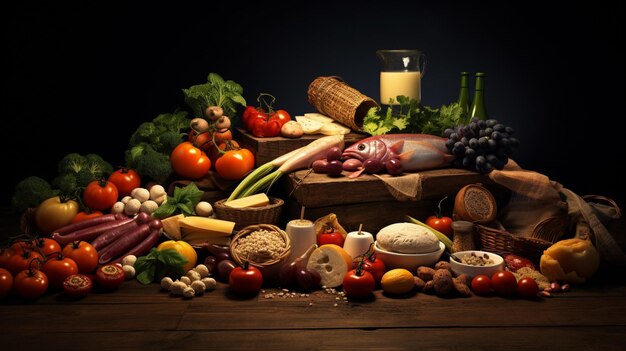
<point x="246" y="280"/>
<point x="84" y="215"/>
<point x="125" y="180"/>
<point x="100" y="195"/>
<point x="18" y="247"/>
<point x="5" y="255"/>
<point x="190" y="162"/>
<point x="46" y="246"/>
<point x="6" y="283"/>
<point x="281" y="116"/>
<point x="58" y="268"/>
<point x="205" y="141"/>
<point x="265" y="124"/>
<point x="441" y="223"/>
<point x="481" y="284"/>
<point x="373" y="265"/>
<point x="20" y="262"/>
<point x="235" y="164"/>
<point x="358" y="283"/>
<point x="330" y="236"/>
<point x="30" y="283"/>
<point x="84" y="254"/>
<point x="55" y="213"/>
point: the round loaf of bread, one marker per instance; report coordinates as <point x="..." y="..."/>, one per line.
<point x="407" y="238"/>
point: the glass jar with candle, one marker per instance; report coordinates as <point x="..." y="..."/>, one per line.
<point x="401" y="74"/>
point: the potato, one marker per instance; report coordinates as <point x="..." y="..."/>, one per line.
<point x="291" y="129"/>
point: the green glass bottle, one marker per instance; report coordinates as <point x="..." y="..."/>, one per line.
<point x="478" y="109"/>
<point x="464" y="98"/>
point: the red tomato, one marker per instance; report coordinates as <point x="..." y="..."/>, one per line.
<point x="58" y="268"/>
<point x="259" y="115"/>
<point x="83" y="215"/>
<point x="6" y="283"/>
<point x="248" y="114"/>
<point x="20" y="262"/>
<point x="84" y="254"/>
<point x="358" y="284"/>
<point x="272" y="128"/>
<point x="257" y="127"/>
<point x="514" y="262"/>
<point x="204" y="141"/>
<point x="190" y="162"/>
<point x="30" y="284"/>
<point x="125" y="180"/>
<point x="110" y="276"/>
<point x="77" y="285"/>
<point x="481" y="284"/>
<point x="5" y="255"/>
<point x="46" y="246"/>
<point x="235" y="164"/>
<point x="18" y="247"/>
<point x="375" y="266"/>
<point x="527" y="287"/>
<point x="442" y="224"/>
<point x="330" y="237"/>
<point x="246" y="280"/>
<point x="504" y="283"/>
<point x="281" y="116"/>
<point x="100" y="195"/>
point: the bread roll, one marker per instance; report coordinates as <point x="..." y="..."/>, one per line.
<point x="407" y="238"/>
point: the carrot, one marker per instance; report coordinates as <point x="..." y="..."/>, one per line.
<point x="298" y="160"/>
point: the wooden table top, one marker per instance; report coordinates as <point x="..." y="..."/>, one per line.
<point x="590" y="317"/>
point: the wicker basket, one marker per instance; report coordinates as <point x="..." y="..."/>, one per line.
<point x="334" y="98"/>
<point x="501" y="242"/>
<point x="244" y="217"/>
<point x="271" y="267"/>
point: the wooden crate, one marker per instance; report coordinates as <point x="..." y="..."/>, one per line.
<point x="267" y="149"/>
<point x="366" y="199"/>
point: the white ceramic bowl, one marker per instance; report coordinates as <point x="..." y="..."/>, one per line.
<point x="459" y="268"/>
<point x="408" y="261"/>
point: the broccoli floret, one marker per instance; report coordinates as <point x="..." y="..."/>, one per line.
<point x="169" y="140"/>
<point x="66" y="183"/>
<point x="30" y="192"/>
<point x="149" y="163"/>
<point x="145" y="133"/>
<point x="174" y="122"/>
<point x="71" y="163"/>
<point x="97" y="166"/>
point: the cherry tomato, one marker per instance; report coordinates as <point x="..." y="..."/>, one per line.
<point x="235" y="164"/>
<point x="481" y="284"/>
<point x="190" y="162"/>
<point x="30" y="284"/>
<point x="246" y="280"/>
<point x="5" y="255"/>
<point x="358" y="283"/>
<point x="77" y="285"/>
<point x="6" y="283"/>
<point x="20" y="262"/>
<point x="46" y="246"/>
<point x="330" y="237"/>
<point x="84" y="215"/>
<point x="100" y="195"/>
<point x="18" y="247"/>
<point x="55" y="213"/>
<point x="125" y="180"/>
<point x="84" y="254"/>
<point x="504" y="283"/>
<point x="110" y="276"/>
<point x="58" y="268"/>
<point x="527" y="287"/>
<point x="441" y="223"/>
<point x="375" y="266"/>
<point x="281" y="116"/>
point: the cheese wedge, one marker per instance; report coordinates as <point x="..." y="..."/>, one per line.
<point x="332" y="262"/>
<point x="200" y="237"/>
<point x="319" y="117"/>
<point x="209" y="226"/>
<point x="171" y="227"/>
<point x="334" y="129"/>
<point x="256" y="200"/>
<point x="309" y="126"/>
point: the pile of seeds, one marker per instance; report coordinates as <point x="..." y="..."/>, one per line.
<point x="261" y="246"/>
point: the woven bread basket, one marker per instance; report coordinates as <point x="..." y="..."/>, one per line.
<point x="246" y="216"/>
<point x="544" y="234"/>
<point x="333" y="97"/>
<point x="269" y="266"/>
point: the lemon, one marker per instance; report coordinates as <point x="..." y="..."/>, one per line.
<point x="184" y="249"/>
<point x="397" y="281"/>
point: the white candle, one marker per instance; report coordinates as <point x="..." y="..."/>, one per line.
<point x="392" y="84"/>
<point x="357" y="244"/>
<point x="301" y="233"/>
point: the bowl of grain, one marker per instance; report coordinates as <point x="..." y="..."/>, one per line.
<point x="473" y="263"/>
<point x="264" y="246"/>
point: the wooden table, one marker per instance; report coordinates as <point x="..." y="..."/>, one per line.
<point x="590" y="317"/>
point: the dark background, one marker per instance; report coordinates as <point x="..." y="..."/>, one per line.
<point x="82" y="77"/>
